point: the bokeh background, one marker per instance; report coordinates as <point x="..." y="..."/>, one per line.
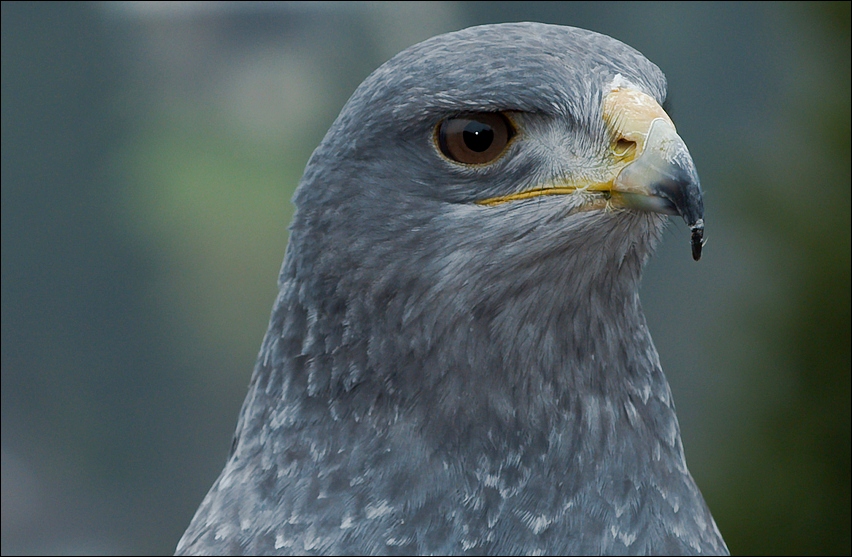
<point x="149" y="153"/>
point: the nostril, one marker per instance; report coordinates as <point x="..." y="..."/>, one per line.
<point x="623" y="146"/>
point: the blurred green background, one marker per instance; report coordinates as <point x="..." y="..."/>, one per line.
<point x="149" y="152"/>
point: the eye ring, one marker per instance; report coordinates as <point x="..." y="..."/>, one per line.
<point x="474" y="138"/>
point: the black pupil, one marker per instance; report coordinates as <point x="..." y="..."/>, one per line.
<point x="478" y="136"/>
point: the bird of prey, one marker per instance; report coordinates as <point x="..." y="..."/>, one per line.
<point x="457" y="361"/>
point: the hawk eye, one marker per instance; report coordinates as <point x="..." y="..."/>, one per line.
<point x="474" y="138"/>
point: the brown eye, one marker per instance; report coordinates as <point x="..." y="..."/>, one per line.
<point x="474" y="138"/>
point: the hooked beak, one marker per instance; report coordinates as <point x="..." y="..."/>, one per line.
<point x="663" y="179"/>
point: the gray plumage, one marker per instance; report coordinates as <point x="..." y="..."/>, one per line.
<point x="445" y="377"/>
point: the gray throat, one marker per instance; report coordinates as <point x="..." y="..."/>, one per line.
<point x="438" y="415"/>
